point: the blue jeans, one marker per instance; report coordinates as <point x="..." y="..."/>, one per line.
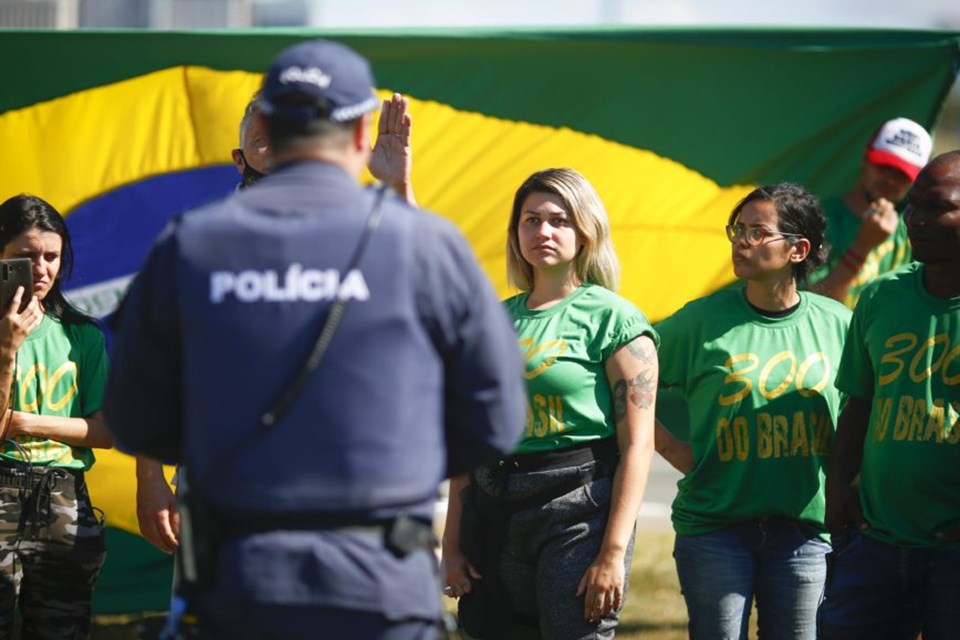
<point x="883" y="592"/>
<point x="780" y="562"/>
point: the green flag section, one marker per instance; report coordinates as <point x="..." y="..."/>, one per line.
<point x="136" y="578"/>
<point x="122" y="130"/>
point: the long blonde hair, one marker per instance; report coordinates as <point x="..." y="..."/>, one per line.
<point x="596" y="261"/>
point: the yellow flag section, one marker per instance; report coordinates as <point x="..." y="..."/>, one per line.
<point x="85" y="144"/>
<point x="667" y="220"/>
<point x="113" y="489"/>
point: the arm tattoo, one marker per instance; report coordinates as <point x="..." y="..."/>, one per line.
<point x="643" y="390"/>
<point x="643" y="351"/>
<point x="619" y="401"/>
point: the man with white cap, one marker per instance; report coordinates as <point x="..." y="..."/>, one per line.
<point x="318" y="356"/>
<point x="866" y="234"/>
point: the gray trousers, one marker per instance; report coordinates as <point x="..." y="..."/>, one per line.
<point x="549" y="548"/>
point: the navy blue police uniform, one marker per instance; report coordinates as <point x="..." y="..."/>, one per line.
<point x="421" y="381"/>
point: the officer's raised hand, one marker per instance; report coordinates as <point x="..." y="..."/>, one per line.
<point x="392" y="159"/>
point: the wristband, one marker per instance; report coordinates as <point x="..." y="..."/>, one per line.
<point x="850" y="263"/>
<point x="855" y="256"/>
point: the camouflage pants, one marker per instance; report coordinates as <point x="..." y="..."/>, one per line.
<point x="51" y="551"/>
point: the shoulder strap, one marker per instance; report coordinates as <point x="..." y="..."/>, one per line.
<point x="270" y="417"/>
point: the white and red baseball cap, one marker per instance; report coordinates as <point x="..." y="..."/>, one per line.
<point x="902" y="144"/>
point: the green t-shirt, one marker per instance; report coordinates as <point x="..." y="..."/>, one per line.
<point x="61" y="370"/>
<point x="762" y="403"/>
<point x="842" y="228"/>
<point x="903" y="353"/>
<point x="564" y="348"/>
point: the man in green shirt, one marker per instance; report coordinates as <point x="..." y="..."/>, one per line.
<point x="866" y="234"/>
<point x="896" y="531"/>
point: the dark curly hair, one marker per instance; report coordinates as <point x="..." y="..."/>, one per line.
<point x="800" y="213"/>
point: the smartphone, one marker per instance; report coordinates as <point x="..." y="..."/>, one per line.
<point x="14" y="273"/>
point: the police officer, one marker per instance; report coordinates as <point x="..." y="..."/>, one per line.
<point x="315" y="498"/>
<point x="391" y="163"/>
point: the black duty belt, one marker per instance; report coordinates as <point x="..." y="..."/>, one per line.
<point x="401" y="534"/>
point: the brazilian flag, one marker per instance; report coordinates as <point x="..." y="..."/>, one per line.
<point x="121" y="130"/>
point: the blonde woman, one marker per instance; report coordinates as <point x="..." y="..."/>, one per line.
<point x="556" y="518"/>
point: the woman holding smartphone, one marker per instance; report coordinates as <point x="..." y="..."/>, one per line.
<point x="53" y="369"/>
<point x="559" y="516"/>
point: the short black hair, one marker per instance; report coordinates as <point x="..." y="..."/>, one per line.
<point x="798" y="212"/>
<point x="285" y="133"/>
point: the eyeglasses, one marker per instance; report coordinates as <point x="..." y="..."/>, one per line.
<point x="756" y="235"/>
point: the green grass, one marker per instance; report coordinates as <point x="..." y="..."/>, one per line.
<point x="654" y="609"/>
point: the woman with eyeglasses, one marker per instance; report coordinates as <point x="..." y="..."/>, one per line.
<point x="756" y="365"/>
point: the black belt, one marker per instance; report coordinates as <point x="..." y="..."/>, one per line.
<point x="605" y="453"/>
<point x="20" y="476"/>
<point x="401" y="534"/>
<point x="604" y="450"/>
<point x="36" y="484"/>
